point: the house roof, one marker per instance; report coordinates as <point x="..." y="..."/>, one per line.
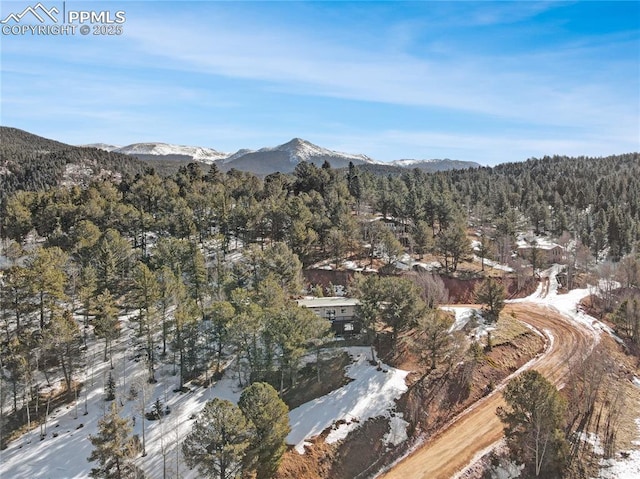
<point x="328" y="302"/>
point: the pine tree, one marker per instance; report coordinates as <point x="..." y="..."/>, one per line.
<point x="110" y="388"/>
<point x="269" y="415"/>
<point x="533" y="425"/>
<point x="492" y="295"/>
<point x="114" y="447"/>
<point x="434" y="341"/>
<point x="219" y="441"/>
<point x="106" y="320"/>
<point x="47" y="279"/>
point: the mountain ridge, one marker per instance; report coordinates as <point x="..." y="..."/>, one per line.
<point x="281" y="158"/>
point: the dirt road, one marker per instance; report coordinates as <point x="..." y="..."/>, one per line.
<point x="478" y="427"/>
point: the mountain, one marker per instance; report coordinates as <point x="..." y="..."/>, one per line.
<point x="166" y="151"/>
<point x="282" y="158"/>
<point x="31" y="162"/>
<point x="285" y="157"/>
<point x="100" y="146"/>
<point x="435" y="165"/>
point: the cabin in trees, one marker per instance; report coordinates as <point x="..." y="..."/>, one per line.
<point x="547" y="252"/>
<point x="339" y="310"/>
<point x="400" y="229"/>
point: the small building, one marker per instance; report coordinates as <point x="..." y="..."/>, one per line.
<point x="340" y="311"/>
<point x="549" y="253"/>
<point x="400" y="229"/>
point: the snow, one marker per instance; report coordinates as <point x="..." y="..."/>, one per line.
<point x="411" y="162"/>
<point x="525" y="240"/>
<point x="622" y="467"/>
<point x="199" y="153"/>
<point x="100" y="146"/>
<point x="372" y="393"/>
<point x="493" y="264"/>
<point x="567" y="304"/>
<point x="398" y="430"/>
<point x="593" y="440"/>
<point x="302" y="150"/>
<point x="462" y="314"/>
<point x="429" y="266"/>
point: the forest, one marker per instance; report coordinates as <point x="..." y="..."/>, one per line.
<point x="208" y="264"/>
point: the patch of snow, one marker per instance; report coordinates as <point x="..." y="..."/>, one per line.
<point x="462" y="316"/>
<point x="622" y="467"/>
<point x="100" y="146"/>
<point x="566" y="304"/>
<point x="352" y="265"/>
<point x="526" y="240"/>
<point x="493" y="264"/>
<point x="593" y="440"/>
<point x="372" y="393"/>
<point x="398" y="430"/>
<point x="509" y="470"/>
<point x="636" y="381"/>
<point x="429" y="266"/>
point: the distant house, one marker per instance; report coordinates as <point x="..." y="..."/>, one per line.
<point x="400" y="229"/>
<point x="549" y="252"/>
<point x="340" y="311"/>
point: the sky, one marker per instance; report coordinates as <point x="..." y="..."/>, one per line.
<point x="490" y="82"/>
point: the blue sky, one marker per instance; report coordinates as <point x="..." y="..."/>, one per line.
<point x="482" y="81"/>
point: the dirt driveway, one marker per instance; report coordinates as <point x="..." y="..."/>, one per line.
<point x="477" y="428"/>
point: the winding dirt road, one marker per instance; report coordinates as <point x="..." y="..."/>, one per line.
<point x="477" y="428"/>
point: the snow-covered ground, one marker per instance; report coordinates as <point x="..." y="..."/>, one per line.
<point x="63" y="452"/>
<point x="493" y="264"/>
<point x="568" y="304"/>
<point x="470" y="320"/>
<point x="622" y="467"/>
<point x="372" y="393"/>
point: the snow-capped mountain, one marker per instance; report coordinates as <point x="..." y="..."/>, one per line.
<point x="282" y="158"/>
<point x="435" y="165"/>
<point x="147" y="151"/>
<point x="285" y="157"/>
<point x="100" y="146"/>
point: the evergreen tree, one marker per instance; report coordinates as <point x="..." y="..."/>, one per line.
<point x="106" y="324"/>
<point x="219" y="441"/>
<point x="435" y="340"/>
<point x="491" y="293"/>
<point x="47" y="279"/>
<point x="62" y="337"/>
<point x="453" y="245"/>
<point x="269" y="415"/>
<point x="533" y="421"/>
<point x="110" y="388"/>
<point x="114" y="447"/>
<point x="145" y="293"/>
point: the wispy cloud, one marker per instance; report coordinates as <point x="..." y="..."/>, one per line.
<point x="473" y="80"/>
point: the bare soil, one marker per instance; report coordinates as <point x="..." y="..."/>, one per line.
<point x="457" y="443"/>
<point x="433" y="400"/>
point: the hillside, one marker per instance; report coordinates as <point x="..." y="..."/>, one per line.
<point x="436" y="165"/>
<point x="31" y="162"/>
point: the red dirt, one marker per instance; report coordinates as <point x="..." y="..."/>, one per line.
<point x="478" y="427"/>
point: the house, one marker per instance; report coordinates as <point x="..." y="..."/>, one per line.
<point x="339" y="310"/>
<point x="400" y="229"/>
<point x="549" y="253"/>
